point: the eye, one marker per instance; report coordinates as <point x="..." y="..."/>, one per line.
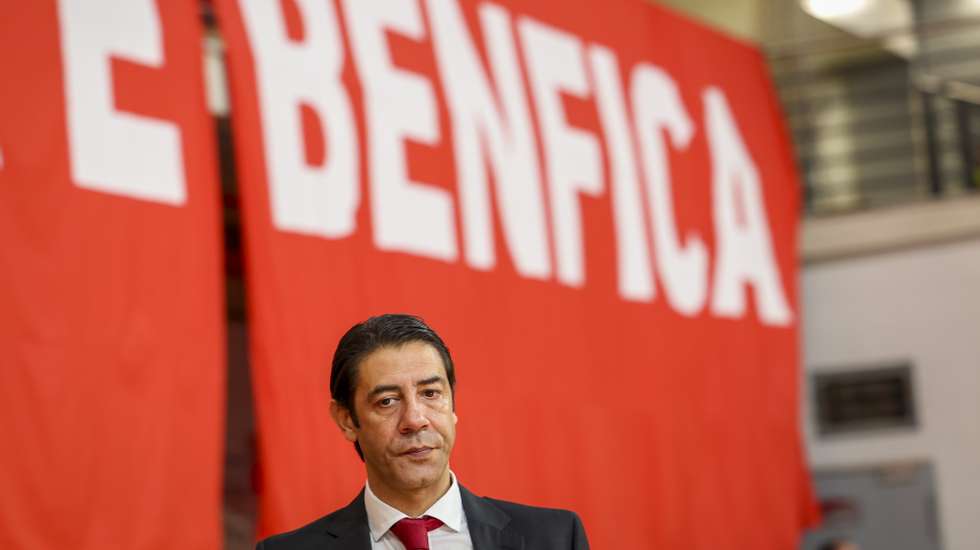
<point x="386" y="402"/>
<point x="430" y="393"/>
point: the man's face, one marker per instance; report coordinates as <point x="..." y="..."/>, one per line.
<point x="407" y="426"/>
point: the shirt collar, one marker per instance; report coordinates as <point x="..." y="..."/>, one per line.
<point x="381" y="516"/>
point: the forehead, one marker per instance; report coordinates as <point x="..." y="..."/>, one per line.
<point x="397" y="364"/>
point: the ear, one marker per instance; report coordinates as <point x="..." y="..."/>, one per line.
<point x="341" y="416"/>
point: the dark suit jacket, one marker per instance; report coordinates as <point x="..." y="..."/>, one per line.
<point x="493" y="524"/>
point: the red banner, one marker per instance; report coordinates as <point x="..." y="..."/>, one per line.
<point x="595" y="204"/>
<point x="112" y="378"/>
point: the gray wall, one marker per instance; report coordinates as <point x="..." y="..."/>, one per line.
<point x="920" y="304"/>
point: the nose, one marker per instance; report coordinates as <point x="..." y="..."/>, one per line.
<point x="413" y="417"/>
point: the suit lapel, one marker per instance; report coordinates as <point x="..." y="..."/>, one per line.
<point x="488" y="524"/>
<point x="348" y="528"/>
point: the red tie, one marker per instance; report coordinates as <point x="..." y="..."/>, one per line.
<point x="414" y="532"/>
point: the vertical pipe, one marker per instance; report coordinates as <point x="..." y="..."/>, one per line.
<point x="932" y="142"/>
<point x="968" y="152"/>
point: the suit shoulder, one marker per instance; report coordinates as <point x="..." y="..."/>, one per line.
<point x="544" y="527"/>
<point x="517" y="510"/>
<point x="303" y="537"/>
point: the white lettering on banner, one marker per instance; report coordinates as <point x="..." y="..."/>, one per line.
<point x="556" y="66"/>
<point x="493" y="138"/>
<point x="744" y="247"/>
<point x="635" y="275"/>
<point x="399" y="105"/>
<point x="658" y="107"/>
<point x="479" y="129"/>
<point x="111" y="151"/>
<point x="319" y="200"/>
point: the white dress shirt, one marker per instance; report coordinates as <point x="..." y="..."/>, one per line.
<point x="453" y="534"/>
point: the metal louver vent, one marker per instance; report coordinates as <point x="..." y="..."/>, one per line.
<point x="864" y="399"/>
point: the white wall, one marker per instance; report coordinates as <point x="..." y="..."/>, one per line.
<point x="920" y="304"/>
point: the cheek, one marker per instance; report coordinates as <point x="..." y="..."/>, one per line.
<point x="378" y="432"/>
<point x="448" y="423"/>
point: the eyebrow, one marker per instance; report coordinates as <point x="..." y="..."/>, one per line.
<point x="429" y="380"/>
<point x="392" y="387"/>
<point x="382" y="389"/>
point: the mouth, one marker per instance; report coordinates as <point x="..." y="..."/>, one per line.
<point x="417" y="452"/>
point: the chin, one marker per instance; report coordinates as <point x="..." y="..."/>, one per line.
<point x="417" y="476"/>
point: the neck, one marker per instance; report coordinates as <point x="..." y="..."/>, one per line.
<point x="412" y="502"/>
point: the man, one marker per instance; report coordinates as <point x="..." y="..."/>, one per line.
<point x="392" y="382"/>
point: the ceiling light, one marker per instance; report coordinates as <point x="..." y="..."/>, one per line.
<point x="834" y="9"/>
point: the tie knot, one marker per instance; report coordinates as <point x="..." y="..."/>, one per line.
<point x="414" y="532"/>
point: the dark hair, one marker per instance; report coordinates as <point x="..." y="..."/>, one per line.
<point x="363" y="339"/>
<point x="834" y="544"/>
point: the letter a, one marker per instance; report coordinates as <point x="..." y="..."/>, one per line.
<point x="744" y="249"/>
